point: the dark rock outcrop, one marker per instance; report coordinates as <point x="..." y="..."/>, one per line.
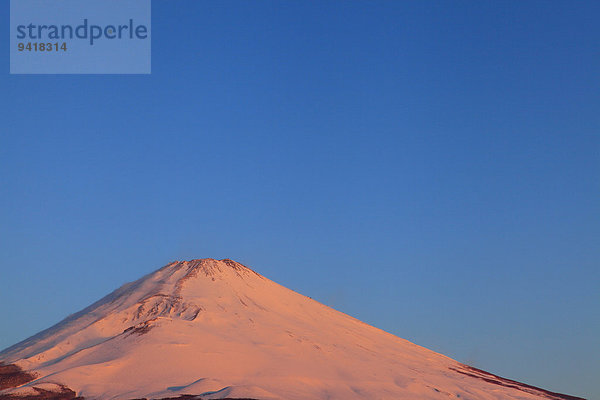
<point x="12" y="376"/>
<point x="498" y="380"/>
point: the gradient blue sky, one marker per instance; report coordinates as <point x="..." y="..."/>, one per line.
<point x="431" y="168"/>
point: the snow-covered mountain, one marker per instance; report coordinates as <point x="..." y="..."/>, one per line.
<point x="215" y="329"/>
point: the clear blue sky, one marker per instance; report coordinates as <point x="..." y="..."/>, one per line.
<point x="430" y="168"/>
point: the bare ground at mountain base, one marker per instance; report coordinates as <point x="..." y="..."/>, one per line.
<point x="41" y="394"/>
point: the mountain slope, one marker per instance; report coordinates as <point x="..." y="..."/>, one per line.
<point x="217" y="329"/>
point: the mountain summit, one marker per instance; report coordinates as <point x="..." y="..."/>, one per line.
<point x="215" y="329"/>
